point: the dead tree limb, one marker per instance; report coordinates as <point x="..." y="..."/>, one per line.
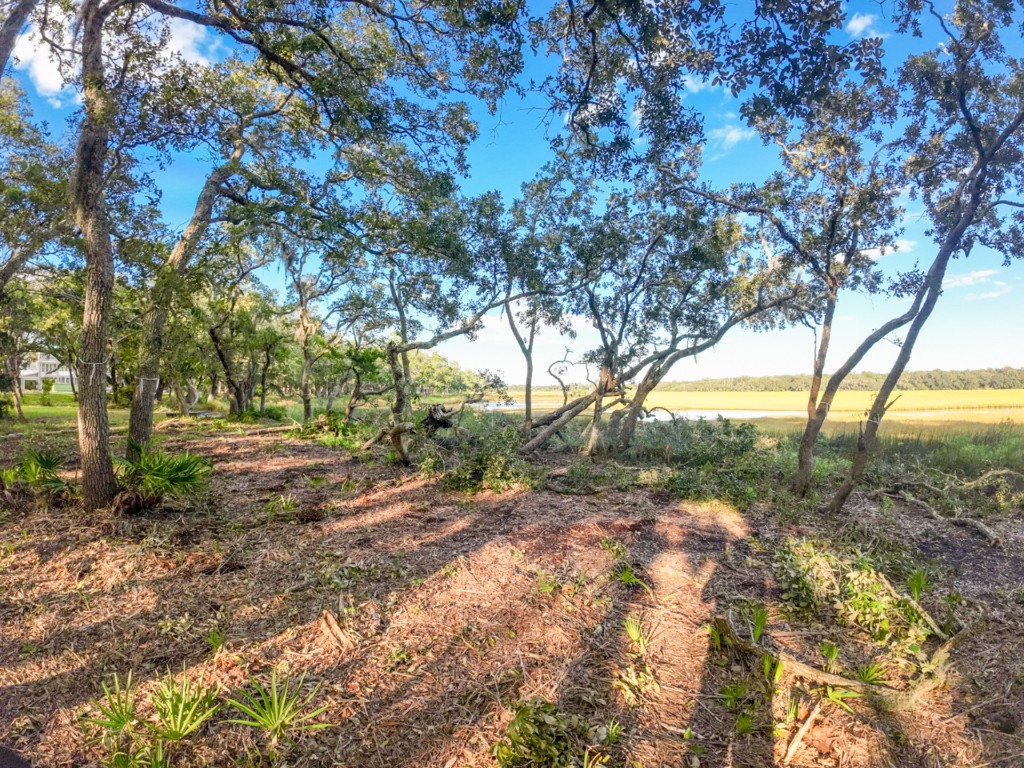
<point x="881" y="697"/>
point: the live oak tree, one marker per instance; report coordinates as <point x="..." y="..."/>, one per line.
<point x="33" y="188"/>
<point x="444" y="262"/>
<point x="537" y="263"/>
<point x="832" y="211"/>
<point x="315" y="278"/>
<point x="963" y="150"/>
<point x="660" y="281"/>
<point x="245" y="123"/>
<point x="322" y="48"/>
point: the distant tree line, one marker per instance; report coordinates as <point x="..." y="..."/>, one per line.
<point x="983" y="378"/>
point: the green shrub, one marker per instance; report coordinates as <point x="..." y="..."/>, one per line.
<point x="47" y="390"/>
<point x="809" y="578"/>
<point x="490" y="461"/>
<point x="275" y="412"/>
<point x="695" y="443"/>
<point x="39" y="471"/>
<point x="156" y="475"/>
<point x="542" y="736"/>
<point x="248" y="416"/>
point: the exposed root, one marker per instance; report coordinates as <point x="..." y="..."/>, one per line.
<point x="881" y="697"/>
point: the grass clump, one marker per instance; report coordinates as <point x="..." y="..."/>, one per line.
<point x="278" y="708"/>
<point x="182" y="707"/>
<point x="716" y="459"/>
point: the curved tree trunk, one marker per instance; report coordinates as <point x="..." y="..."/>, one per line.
<point x="565" y="415"/>
<point x="605" y="384"/>
<point x="628" y="422"/>
<point x="866" y="442"/>
<point x="815" y="416"/>
<point x="11" y="28"/>
<point x="140" y="419"/>
<point x="814" y="425"/>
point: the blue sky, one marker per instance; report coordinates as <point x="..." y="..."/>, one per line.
<point x="975" y="324"/>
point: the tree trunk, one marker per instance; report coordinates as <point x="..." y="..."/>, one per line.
<point x="526" y="347"/>
<point x="805" y="453"/>
<point x="13" y="364"/>
<point x="605" y="384"/>
<point x="140" y="420"/>
<point x="866" y="442"/>
<point x="815" y="415"/>
<point x="263" y="382"/>
<point x="237" y="400"/>
<point x="307" y="395"/>
<point x="813" y="428"/>
<point x="398" y="362"/>
<point x="565" y="415"/>
<point x="627" y="425"/>
<point x="180" y="397"/>
<point x="140" y="416"/>
<point x="87" y="202"/>
<point x="70" y="365"/>
<point x="353" y="400"/>
<point x="11" y="27"/>
<point x="332" y="391"/>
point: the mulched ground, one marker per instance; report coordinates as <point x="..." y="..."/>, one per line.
<point x="425" y="616"/>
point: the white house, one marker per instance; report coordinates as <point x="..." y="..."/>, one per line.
<point x="39" y="366"/>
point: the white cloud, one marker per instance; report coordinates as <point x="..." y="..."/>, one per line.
<point x="37" y="59"/>
<point x="863" y="25"/>
<point x="859" y="23"/>
<point x="969" y="278"/>
<point x="192" y="42"/>
<point x="695" y="85"/>
<point x="999" y="288"/>
<point x="900" y="246"/>
<point x="636" y="114"/>
<point x="729" y="136"/>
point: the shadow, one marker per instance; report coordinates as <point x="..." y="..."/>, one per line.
<point x="445" y="606"/>
<point x="733" y="721"/>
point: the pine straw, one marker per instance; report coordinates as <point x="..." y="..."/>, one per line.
<point x="420" y="614"/>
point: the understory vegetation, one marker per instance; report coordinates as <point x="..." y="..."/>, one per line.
<point x="847" y="624"/>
